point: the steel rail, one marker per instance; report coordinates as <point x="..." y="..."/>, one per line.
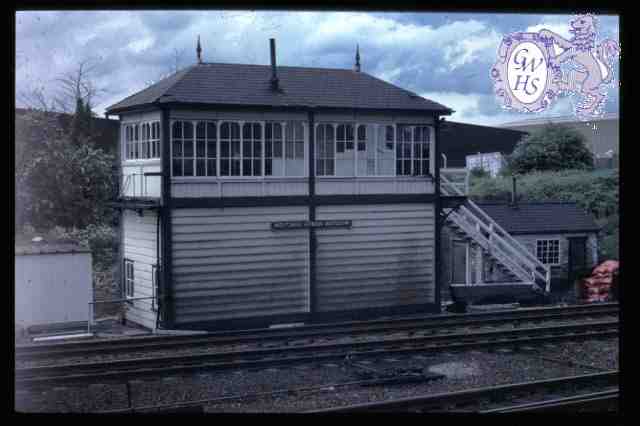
<point x="589" y="401"/>
<point x="85" y="348"/>
<point x="442" y="401"/>
<point x="120" y="370"/>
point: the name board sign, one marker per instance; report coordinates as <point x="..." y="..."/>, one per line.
<point x="305" y="224"/>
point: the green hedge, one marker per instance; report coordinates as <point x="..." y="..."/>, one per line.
<point x="595" y="191"/>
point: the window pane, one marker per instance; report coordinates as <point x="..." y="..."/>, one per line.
<point x="349" y="132"/>
<point x="177" y="130"/>
<point x="235" y="149"/>
<point x="188" y="130"/>
<point x="246" y="148"/>
<point x="235" y="167"/>
<point x="200" y="148"/>
<point x="211" y="149"/>
<point x="289" y="149"/>
<point x="225" y="131"/>
<point x="268" y="131"/>
<point x="211" y="131"/>
<point x="329" y="133"/>
<point x="268" y="171"/>
<point x="362" y="132"/>
<point x="268" y="149"/>
<point x="235" y="131"/>
<point x="246" y="167"/>
<point x="340" y="135"/>
<point x="246" y="131"/>
<point x="188" y="148"/>
<point x="188" y="167"/>
<point x="225" y="150"/>
<point x="299" y="150"/>
<point x="201" y="168"/>
<point x="277" y="131"/>
<point x="177" y="167"/>
<point x="257" y="167"/>
<point x="224" y="168"/>
<point x="200" y="130"/>
<point x="211" y="167"/>
<point x="277" y="149"/>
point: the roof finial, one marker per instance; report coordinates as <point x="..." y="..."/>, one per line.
<point x="199" y="50"/>
<point x="357" y="67"/>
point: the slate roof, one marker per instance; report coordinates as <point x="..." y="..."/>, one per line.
<point x="457" y="140"/>
<point x="541" y="218"/>
<point x="242" y="84"/>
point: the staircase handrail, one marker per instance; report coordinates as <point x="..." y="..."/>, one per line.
<point x="485" y="242"/>
<point x="501" y="244"/>
<point x="505" y="240"/>
<point x="499" y="228"/>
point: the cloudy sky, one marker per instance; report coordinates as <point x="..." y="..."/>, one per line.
<point x="445" y="57"/>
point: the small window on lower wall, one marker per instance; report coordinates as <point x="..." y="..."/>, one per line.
<point x="129" y="279"/>
<point x="154" y="287"/>
<point x="548" y="251"/>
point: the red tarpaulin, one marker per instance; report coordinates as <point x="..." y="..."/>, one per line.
<point x="597" y="288"/>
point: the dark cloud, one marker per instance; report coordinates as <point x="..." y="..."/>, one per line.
<point x="449" y="53"/>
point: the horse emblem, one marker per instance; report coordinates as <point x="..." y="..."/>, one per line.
<point x="533" y="69"/>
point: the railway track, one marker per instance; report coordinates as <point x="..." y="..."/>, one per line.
<point x="588" y="391"/>
<point x="325" y="332"/>
<point x="285" y="355"/>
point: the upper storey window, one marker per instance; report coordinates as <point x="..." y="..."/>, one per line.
<point x="233" y="148"/>
<point x="142" y="140"/>
<point x="344" y="149"/>
<point x="412" y="150"/>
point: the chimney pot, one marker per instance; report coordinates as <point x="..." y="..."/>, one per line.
<point x="274" y="73"/>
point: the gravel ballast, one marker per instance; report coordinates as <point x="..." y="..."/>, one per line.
<point x="481" y="368"/>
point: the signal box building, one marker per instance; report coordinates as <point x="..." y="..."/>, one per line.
<point x="257" y="195"/>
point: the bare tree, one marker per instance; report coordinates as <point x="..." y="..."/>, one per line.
<point x="78" y="84"/>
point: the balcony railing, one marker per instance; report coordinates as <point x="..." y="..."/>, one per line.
<point x="140" y="185"/>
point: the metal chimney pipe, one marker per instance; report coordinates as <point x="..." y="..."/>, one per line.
<point x="274" y="73"/>
<point x="513" y="192"/>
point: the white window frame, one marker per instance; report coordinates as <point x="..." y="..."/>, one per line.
<point x="559" y="240"/>
<point x="129" y="149"/>
<point x="412" y="142"/>
<point x="240" y="123"/>
<point x="129" y="279"/>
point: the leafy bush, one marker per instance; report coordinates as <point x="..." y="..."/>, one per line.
<point x="596" y="192"/>
<point x="608" y="241"/>
<point x="479" y="173"/>
<point x="101" y="239"/>
<point x="552" y="147"/>
<point x="66" y="185"/>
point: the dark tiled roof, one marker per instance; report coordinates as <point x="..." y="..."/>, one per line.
<point x="533" y="218"/>
<point x="241" y="84"/>
<point x="457" y="140"/>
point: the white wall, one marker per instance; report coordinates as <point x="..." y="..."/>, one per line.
<point x="52" y="288"/>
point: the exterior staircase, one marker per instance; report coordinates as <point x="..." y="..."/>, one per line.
<point x="470" y="222"/>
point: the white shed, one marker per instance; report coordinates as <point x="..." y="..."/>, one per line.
<point x="53" y="283"/>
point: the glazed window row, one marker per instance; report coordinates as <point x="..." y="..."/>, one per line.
<point x="231" y="148"/>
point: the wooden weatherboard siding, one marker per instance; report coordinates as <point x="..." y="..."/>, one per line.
<point x="140" y="246"/>
<point x="385" y="259"/>
<point x="228" y="263"/>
